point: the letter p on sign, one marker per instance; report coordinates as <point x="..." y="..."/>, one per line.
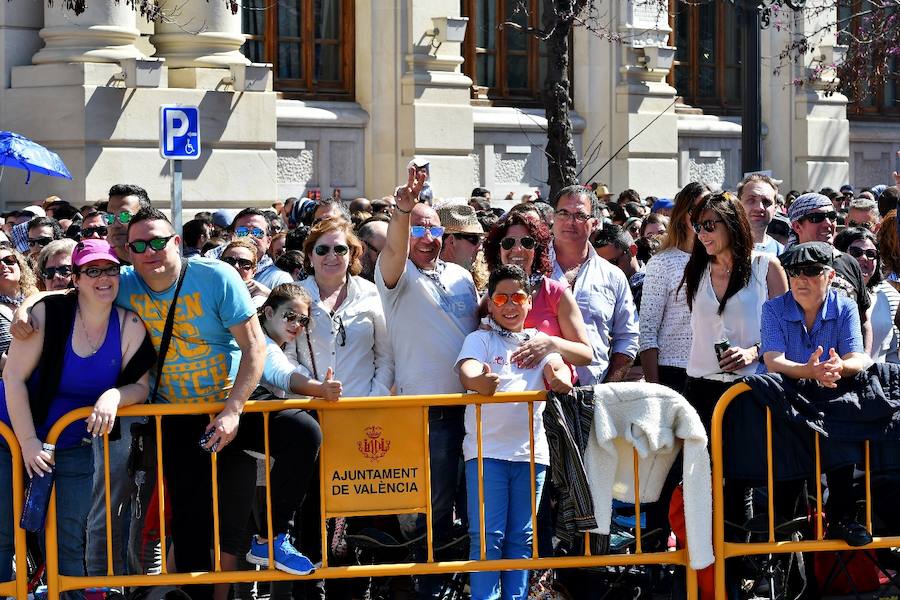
<point x="179" y="135"/>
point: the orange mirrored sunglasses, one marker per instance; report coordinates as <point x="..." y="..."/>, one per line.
<point x="519" y="298"/>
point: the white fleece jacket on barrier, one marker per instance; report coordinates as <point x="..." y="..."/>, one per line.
<point x="657" y="422"/>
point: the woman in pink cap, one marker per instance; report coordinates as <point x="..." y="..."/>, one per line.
<point x="85" y="352"/>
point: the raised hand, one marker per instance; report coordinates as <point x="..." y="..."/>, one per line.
<point x="331" y="389"/>
<point x="486" y="383"/>
<point x="407" y="195"/>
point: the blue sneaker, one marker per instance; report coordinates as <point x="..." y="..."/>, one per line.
<point x="287" y="558"/>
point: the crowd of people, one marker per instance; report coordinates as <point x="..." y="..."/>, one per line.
<point x="402" y="295"/>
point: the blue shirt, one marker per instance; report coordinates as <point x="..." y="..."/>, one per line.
<point x="203" y="357"/>
<point x="610" y="317"/>
<point x="784" y="328"/>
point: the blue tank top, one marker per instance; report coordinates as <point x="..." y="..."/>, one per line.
<point x="81" y="382"/>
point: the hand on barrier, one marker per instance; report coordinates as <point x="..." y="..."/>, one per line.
<point x="736" y="358"/>
<point x="486" y="383"/>
<point x="104" y="416"/>
<point x="37" y="460"/>
<point x="828" y="372"/>
<point x="331" y="389"/>
<point x="224" y="428"/>
<point x="533" y="351"/>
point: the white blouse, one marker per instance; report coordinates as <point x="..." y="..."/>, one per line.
<point x="665" y="320"/>
<point x="885" y="300"/>
<point x="353" y="341"/>
<point x="739" y="322"/>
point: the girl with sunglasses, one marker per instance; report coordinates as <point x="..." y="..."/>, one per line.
<point x="523" y="240"/>
<point x="725" y="285"/>
<point x="242" y="255"/>
<point x="861" y="244"/>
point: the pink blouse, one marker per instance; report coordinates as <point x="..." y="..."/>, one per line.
<point x="545" y="308"/>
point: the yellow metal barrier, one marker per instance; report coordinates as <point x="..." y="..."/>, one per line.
<point x="725" y="550"/>
<point x="19" y="587"/>
<point x="60" y="583"/>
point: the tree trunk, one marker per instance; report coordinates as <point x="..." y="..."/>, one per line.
<point x="561" y="161"/>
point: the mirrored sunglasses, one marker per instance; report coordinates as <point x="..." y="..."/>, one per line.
<point x="157" y="244"/>
<point x="124" y="217"/>
<point x="519" y="298"/>
<point x="418" y="231"/>
<point x="254" y="231"/>
<point x="290" y="317"/>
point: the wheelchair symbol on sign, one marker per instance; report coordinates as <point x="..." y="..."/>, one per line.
<point x="188" y="147"/>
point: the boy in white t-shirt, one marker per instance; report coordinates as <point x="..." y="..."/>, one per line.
<point x="485" y="367"/>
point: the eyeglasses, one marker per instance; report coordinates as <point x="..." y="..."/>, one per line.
<point x="472" y="238"/>
<point x="869" y="253"/>
<point x="342" y="333"/>
<point x="418" y="231"/>
<point x="62" y="271"/>
<point x="100" y="231"/>
<point x="864" y="224"/>
<point x="805" y="270"/>
<point x="95" y="272"/>
<point x="124" y="217"/>
<point x="245" y="231"/>
<point x="9" y="261"/>
<point x="323" y="249"/>
<point x="567" y="216"/>
<point x="290" y="317"/>
<point x="519" y="298"/>
<point x="709" y="225"/>
<point x="818" y="217"/>
<point x="157" y="243"/>
<point x="508" y="243"/>
<point x="41" y="241"/>
<point x="244" y="264"/>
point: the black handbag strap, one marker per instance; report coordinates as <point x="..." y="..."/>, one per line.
<point x="167" y="331"/>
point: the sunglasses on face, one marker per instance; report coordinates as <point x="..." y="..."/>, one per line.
<point x="157" y="244"/>
<point x="62" y="271"/>
<point x="519" y="298"/>
<point x="245" y="231"/>
<point x="567" y="216"/>
<point x="818" y="217"/>
<point x="709" y="225"/>
<point x="244" y="264"/>
<point x="805" y="270"/>
<point x="472" y="238"/>
<point x="290" y="317"/>
<point x="41" y="241"/>
<point x="124" y="217"/>
<point x="419" y="231"/>
<point x="855" y="252"/>
<point x="9" y="261"/>
<point x="100" y="231"/>
<point x="323" y="249"/>
<point x="508" y="243"/>
<point x="95" y="272"/>
<point x="864" y="224"/>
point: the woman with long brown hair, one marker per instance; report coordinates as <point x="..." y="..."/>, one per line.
<point x="17" y="282"/>
<point x="664" y="312"/>
<point x="725" y="285"/>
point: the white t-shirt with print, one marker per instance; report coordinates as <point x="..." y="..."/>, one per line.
<point x="504" y="427"/>
<point x="427" y="322"/>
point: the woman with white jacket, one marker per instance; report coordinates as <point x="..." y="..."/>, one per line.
<point x="347" y="331"/>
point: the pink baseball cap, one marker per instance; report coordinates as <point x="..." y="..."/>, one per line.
<point x="90" y="250"/>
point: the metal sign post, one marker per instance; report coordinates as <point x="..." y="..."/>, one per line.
<point x="179" y="140"/>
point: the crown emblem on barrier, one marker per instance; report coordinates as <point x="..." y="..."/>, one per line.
<point x="373" y="446"/>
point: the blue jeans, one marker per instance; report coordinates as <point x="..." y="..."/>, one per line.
<point x="73" y="481"/>
<point x="507" y="524"/>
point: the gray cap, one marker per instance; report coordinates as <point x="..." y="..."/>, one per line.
<point x="808" y="253"/>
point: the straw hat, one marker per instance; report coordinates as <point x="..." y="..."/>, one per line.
<point x="459" y="218"/>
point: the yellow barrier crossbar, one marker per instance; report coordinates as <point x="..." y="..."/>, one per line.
<point x="19" y="586"/>
<point x="60" y="583"/>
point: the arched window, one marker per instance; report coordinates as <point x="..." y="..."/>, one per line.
<point x="310" y="44"/>
<point x="507" y="65"/>
<point x="707" y="70"/>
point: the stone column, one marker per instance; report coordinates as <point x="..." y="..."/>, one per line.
<point x="199" y="33"/>
<point x="105" y="32"/>
<point x="816" y="150"/>
<point x="621" y="89"/>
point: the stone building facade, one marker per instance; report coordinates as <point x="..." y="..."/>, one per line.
<point x="359" y="87"/>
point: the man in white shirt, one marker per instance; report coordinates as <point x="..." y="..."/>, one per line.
<point x="430" y="306"/>
<point x="600" y="289"/>
<point x="757" y="195"/>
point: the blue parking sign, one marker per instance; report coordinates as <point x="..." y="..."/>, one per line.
<point x="179" y="132"/>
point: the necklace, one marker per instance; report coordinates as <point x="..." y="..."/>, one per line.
<point x="12" y="300"/>
<point x="94" y="347"/>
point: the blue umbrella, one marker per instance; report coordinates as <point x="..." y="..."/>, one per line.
<point x="21" y="153"/>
